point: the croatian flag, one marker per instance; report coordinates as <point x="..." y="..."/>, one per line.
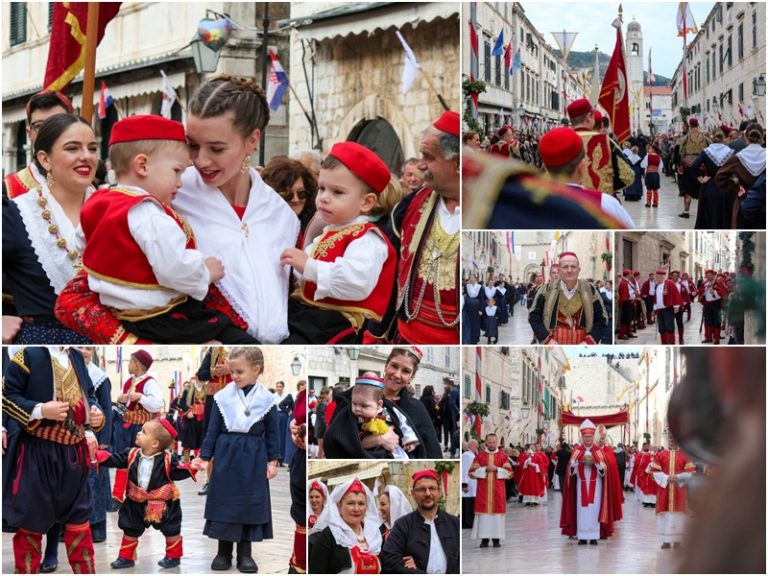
<point x="105" y="101"/>
<point x="278" y="82"/>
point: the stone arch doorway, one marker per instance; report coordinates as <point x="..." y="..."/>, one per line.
<point x="380" y="136"/>
<point x="531" y="269"/>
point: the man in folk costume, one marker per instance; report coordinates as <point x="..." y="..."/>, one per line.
<point x="534" y="477"/>
<point x="40" y="107"/>
<point x="569" y="311"/>
<point x="215" y="371"/>
<point x="668" y="302"/>
<point x="689" y="285"/>
<point x="614" y="488"/>
<point x="639" y="303"/>
<point x="686" y="299"/>
<point x="647" y="293"/>
<point x="608" y="169"/>
<point x="143" y="400"/>
<point x="690" y="146"/>
<point x="491" y="468"/>
<point x="626" y="305"/>
<point x="508" y="146"/>
<point x="428" y="224"/>
<point x="585" y="492"/>
<point x="671" y="470"/>
<point x="711" y="295"/>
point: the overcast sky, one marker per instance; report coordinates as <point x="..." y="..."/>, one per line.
<point x="592" y="20"/>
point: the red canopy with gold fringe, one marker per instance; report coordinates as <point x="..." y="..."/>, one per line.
<point x="619" y="418"/>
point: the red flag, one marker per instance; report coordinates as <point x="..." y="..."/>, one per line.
<point x="473" y="67"/>
<point x="508" y="58"/>
<point x="614" y="97"/>
<point x="66" y="49"/>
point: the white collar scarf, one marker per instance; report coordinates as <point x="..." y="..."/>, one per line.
<point x="753" y="159"/>
<point x="232" y="403"/>
<point x="718" y="153"/>
<point x="97" y="375"/>
<point x="473" y="290"/>
<point x="55" y="261"/>
<point x="256" y="285"/>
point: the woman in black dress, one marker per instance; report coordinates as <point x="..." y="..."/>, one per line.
<point x="715" y="206"/>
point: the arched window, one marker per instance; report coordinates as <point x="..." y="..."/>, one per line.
<point x="379" y="136"/>
<point x="635" y="49"/>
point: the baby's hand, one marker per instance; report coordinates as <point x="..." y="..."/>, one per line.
<point x="295" y="258"/>
<point x="271" y="470"/>
<point x="411" y="446"/>
<point x="215" y="268"/>
<point x="199" y="464"/>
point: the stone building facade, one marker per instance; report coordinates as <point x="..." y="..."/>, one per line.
<point x="647" y="251"/>
<point x="346" y="66"/>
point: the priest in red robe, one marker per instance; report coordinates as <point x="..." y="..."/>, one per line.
<point x="533" y="478"/>
<point x="671" y="470"/>
<point x="644" y="480"/>
<point x="490" y="468"/>
<point x="614" y="488"/>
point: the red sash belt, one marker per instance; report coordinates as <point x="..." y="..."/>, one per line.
<point x="157" y="499"/>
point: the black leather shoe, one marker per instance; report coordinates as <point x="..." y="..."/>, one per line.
<point x="49" y="566"/>
<point x="204" y="490"/>
<point x="245" y="562"/>
<point x="593" y="542"/>
<point x="582" y="542"/>
<point x="169" y="562"/>
<point x="484" y="543"/>
<point x="496" y="543"/>
<point x="666" y="546"/>
<point x="122" y="563"/>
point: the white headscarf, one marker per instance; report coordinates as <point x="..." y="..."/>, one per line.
<point x="342" y="533"/>
<point x="398" y="504"/>
<point x="315" y="484"/>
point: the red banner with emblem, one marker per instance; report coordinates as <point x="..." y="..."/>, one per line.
<point x="614" y="93"/>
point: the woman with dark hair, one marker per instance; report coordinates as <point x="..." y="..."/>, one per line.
<point x="295" y="184"/>
<point x="715" y="206"/>
<point x="399" y="370"/>
<point x="740" y="172"/>
<point x="39" y="230"/>
<point x="430" y="403"/>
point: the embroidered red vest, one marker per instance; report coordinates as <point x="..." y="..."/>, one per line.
<point x="332" y="245"/>
<point x="653" y="161"/>
<point x="20" y="183"/>
<point x="427" y="326"/>
<point x="136" y="413"/>
<point x="111" y="253"/>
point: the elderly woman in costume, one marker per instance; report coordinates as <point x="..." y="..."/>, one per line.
<point x="348" y="539"/>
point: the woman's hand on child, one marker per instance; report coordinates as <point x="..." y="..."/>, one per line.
<point x="272" y="470"/>
<point x="199" y="464"/>
<point x="294" y="258"/>
<point x="215" y="268"/>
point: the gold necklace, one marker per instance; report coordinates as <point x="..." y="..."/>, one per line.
<point x="53" y="228"/>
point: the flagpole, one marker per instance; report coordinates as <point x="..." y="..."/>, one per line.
<point x="89" y="80"/>
<point x="264" y="58"/>
<point x="439" y="96"/>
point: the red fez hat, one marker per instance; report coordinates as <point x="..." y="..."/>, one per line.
<point x="424" y="474"/>
<point x="674" y="272"/>
<point x="627" y="272"/>
<point x="598" y="116"/>
<point x="416" y="352"/>
<point x="555" y="265"/>
<point x="579" y="108"/>
<point x="356" y="486"/>
<point x="726" y="129"/>
<point x="693" y="122"/>
<point x="363" y="163"/>
<point x="144" y="357"/>
<point x="168" y="426"/>
<point x="449" y="122"/>
<point x="709" y="272"/>
<point x="564" y="254"/>
<point x="650" y="273"/>
<point x="316" y="486"/>
<point x="146" y="127"/>
<point x="661" y="272"/>
<point x="504" y="129"/>
<point x="559" y="146"/>
<point x="636" y="273"/>
<point x="65" y="102"/>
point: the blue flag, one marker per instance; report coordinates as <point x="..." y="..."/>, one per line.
<point x="498" y="49"/>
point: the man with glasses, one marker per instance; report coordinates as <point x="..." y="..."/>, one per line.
<point x="491" y="468"/>
<point x="40" y="107"/>
<point x="427" y="539"/>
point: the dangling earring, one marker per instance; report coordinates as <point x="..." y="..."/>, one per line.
<point x="246" y="165"/>
<point x="49" y="180"/>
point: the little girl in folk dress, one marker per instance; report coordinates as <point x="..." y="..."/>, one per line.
<point x="242" y="444"/>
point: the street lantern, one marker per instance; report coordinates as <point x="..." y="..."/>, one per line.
<point x="296" y="366"/>
<point x="206" y="59"/>
<point x="758" y="85"/>
<point x="525" y="410"/>
<point x="715" y="104"/>
<point x="353" y="352"/>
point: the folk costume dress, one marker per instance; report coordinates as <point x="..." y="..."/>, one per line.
<point x="141" y="258"/>
<point x="711" y="295"/>
<point x="100" y="492"/>
<point x="652" y="164"/>
<point x="471" y="311"/>
<point x="491" y="315"/>
<point x="715" y="205"/>
<point x="398" y="507"/>
<point x="192" y="401"/>
<point x="50" y="470"/>
<point x="428" y="277"/>
<point x="567" y="316"/>
<point x="491" y="499"/>
<point x="153" y="499"/>
<point x="742" y="169"/>
<point x="241" y="440"/>
<point x="347" y="279"/>
<point x="21" y="182"/>
<point x="667" y="297"/>
<point x="39" y="258"/>
<point x="690" y="147"/>
<point x="336" y="548"/>
<point x="671" y="495"/>
<point x="249" y="246"/>
<point x="320" y="487"/>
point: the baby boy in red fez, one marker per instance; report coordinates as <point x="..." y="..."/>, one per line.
<point x="139" y="254"/>
<point x="153" y="498"/>
<point x="347" y="272"/>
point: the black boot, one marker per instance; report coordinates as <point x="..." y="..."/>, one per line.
<point x="223" y="559"/>
<point x="484" y="543"/>
<point x="245" y="561"/>
<point x="496" y="543"/>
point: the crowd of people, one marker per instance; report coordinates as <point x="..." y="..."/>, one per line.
<point x="351" y="531"/>
<point x="667" y="302"/>
<point x="189" y="243"/>
<point x="578" y="175"/>
<point x="563" y="309"/>
<point x="62" y="430"/>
